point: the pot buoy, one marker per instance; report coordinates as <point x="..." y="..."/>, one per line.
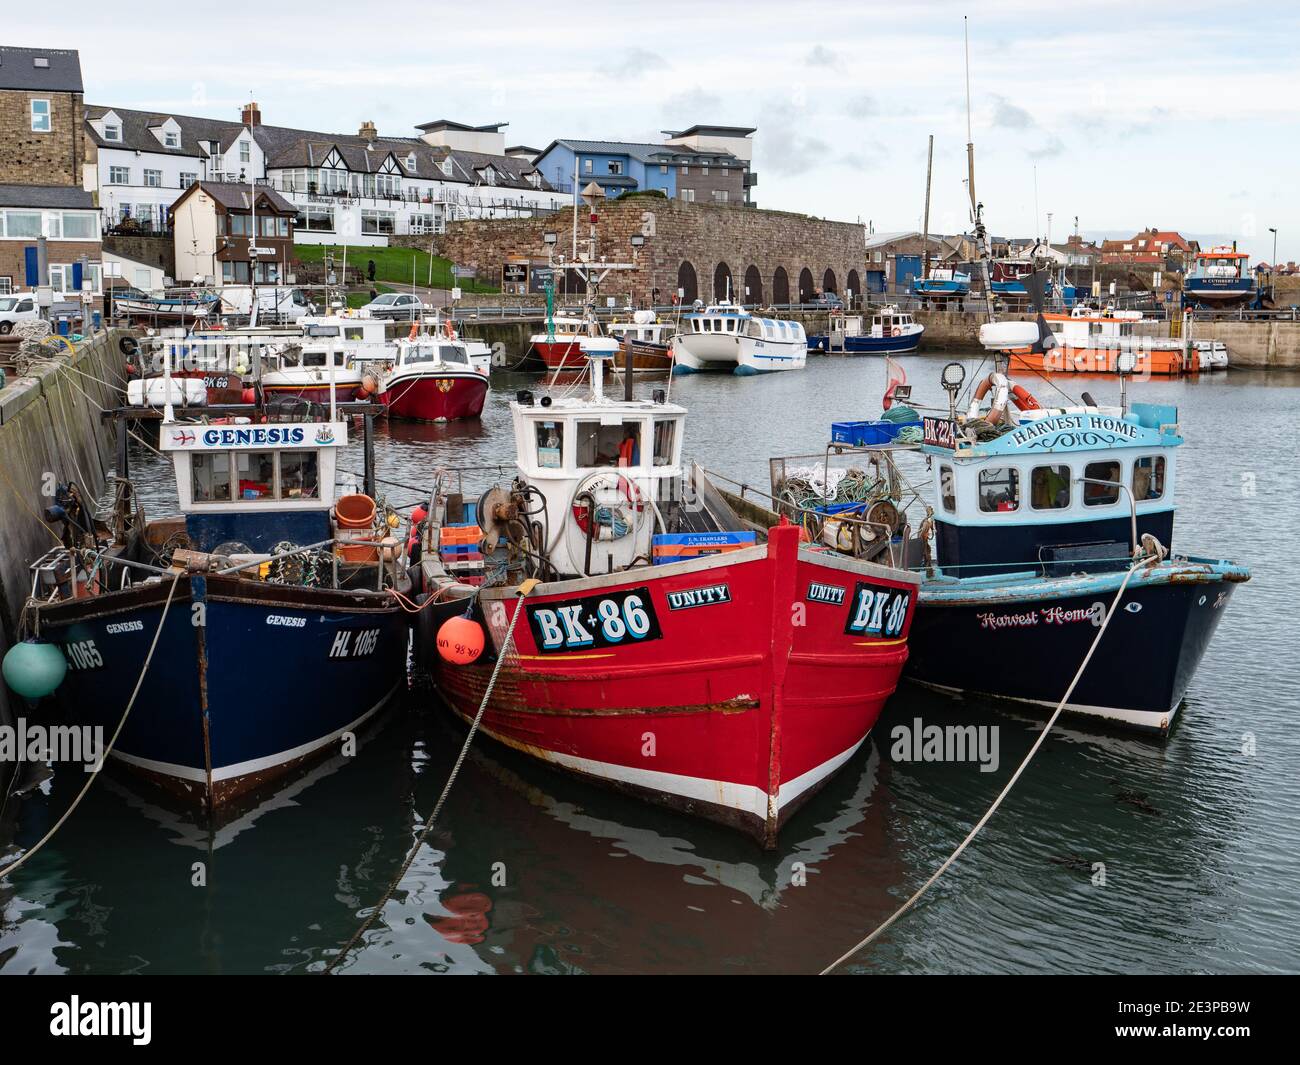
<point x="249" y="395"/>
<point x="34" y="668"/>
<point x="460" y="640"/>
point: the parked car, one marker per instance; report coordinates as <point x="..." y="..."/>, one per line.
<point x="17" y="307"/>
<point x="830" y="300"/>
<point x="399" y="306"/>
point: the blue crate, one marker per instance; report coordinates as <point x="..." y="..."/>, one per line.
<point x="866" y="434"/>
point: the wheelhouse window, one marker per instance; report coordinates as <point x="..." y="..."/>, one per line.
<point x="947" y="489"/>
<point x="550" y="445"/>
<point x="1149" y="477"/>
<point x="299" y="475"/>
<point x="665" y="434"/>
<point x="609" y="445"/>
<point x="1101" y="495"/>
<point x="256" y="473"/>
<point x="1049" y="487"/>
<point x="210" y="477"/>
<point x="999" y="490"/>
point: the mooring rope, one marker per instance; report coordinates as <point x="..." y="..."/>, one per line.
<point x="1143" y="560"/>
<point x="524" y="589"/>
<point x="108" y="750"/>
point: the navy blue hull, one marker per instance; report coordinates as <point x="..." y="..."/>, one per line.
<point x="287" y="671"/>
<point x="861" y="345"/>
<point x="1028" y="648"/>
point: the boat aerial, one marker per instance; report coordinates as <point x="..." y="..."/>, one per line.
<point x="892" y="331"/>
<point x="659" y="655"/>
<point x="724" y="336"/>
<point x="268" y="596"/>
<point x="1220" y="278"/>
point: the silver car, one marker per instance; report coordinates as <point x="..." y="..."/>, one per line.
<point x="399" y="306"/>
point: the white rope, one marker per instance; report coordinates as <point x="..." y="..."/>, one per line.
<point x="104" y="757"/>
<point x="1009" y="785"/>
<point x="446" y="790"/>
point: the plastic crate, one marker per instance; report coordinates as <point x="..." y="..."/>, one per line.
<point x="865" y="434"/>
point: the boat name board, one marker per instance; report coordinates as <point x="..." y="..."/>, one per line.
<point x="877" y="610"/>
<point x="227" y="437"/>
<point x="614" y="620"/>
<point x="1066" y="431"/>
<point x="939" y="432"/>
<point x="688" y="598"/>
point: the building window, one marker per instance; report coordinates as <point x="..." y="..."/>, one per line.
<point x="119" y="175"/>
<point x="144" y="214"/>
<point x="172" y="140"/>
<point x="377" y="222"/>
<point x="234" y="273"/>
<point x="1049" y="487"/>
<point x="23" y="224"/>
<point x="40" y="116"/>
<point x="446" y="166"/>
<point x="268" y="273"/>
<point x="6" y="285"/>
<point x="999" y="489"/>
<point x="188" y="179"/>
<point x="83" y="227"/>
<point x="615" y="167"/>
<point x="112" y="133"/>
<point x="704" y="170"/>
<point x="153" y="179"/>
<point x="316" y="219"/>
<point x="410" y="163"/>
<point x="687" y="194"/>
<point x="663" y="168"/>
<point x="719" y="195"/>
<point x="1100" y="495"/>
<point x="245" y="152"/>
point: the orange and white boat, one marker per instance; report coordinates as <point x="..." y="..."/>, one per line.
<point x="1091" y="341"/>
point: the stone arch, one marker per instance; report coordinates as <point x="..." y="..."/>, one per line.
<point x="829" y="284"/>
<point x="754" y="283"/>
<point x="686" y="282"/>
<point x="855" y="285"/>
<point x="780" y="286"/>
<point x="723" y="286"/>
<point x="805" y="285"/>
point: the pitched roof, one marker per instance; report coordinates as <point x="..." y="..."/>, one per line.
<point x="136" y="135"/>
<point x="446" y="123"/>
<point x="51" y="69"/>
<point x="234" y="196"/>
<point x="53" y="196"/>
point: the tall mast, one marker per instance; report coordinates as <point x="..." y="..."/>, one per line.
<point x="925" y="234"/>
<point x="982" y="244"/>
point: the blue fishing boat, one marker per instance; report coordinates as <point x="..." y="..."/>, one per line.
<point x="168" y="308"/>
<point x="1007" y="279"/>
<point x="943" y="283"/>
<point x="262" y="624"/>
<point x="1220" y="278"/>
<point x="892" y="331"/>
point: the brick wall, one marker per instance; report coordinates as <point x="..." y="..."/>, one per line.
<point x="52" y="158"/>
<point x="12" y="260"/>
<point x="681" y="240"/>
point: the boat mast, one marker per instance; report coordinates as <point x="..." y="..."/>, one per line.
<point x="925" y="235"/>
<point x="976" y="211"/>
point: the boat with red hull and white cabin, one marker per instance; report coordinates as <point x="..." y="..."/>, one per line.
<point x="669" y="650"/>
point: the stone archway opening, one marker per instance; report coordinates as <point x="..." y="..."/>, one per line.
<point x="829" y="284"/>
<point x="780" y="287"/>
<point x="805" y="285"/>
<point x="723" y="286"/>
<point x="753" y="293"/>
<point x="687" y="284"/>
<point x="854" y="290"/>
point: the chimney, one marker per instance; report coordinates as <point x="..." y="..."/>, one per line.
<point x="368" y="131"/>
<point x="251" y="116"/>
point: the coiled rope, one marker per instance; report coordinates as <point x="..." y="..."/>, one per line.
<point x="12" y="866"/>
<point x="524" y="589"/>
<point x="1142" y="559"/>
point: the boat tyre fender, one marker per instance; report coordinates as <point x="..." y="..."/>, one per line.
<point x="128" y="346"/>
<point x="997" y="384"/>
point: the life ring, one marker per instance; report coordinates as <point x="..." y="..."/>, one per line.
<point x="998" y="384"/>
<point x="897" y="331"/>
<point x="1024" y="399"/>
<point x="449" y="328"/>
<point x="618" y="510"/>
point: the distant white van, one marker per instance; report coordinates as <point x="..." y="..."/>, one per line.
<point x="283" y="300"/>
<point x="17" y="307"/>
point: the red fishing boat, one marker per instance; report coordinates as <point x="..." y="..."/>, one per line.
<point x="664" y="646"/>
<point x="433" y="379"/>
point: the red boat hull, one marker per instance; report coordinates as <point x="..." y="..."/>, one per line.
<point x="560" y="352"/>
<point x="443" y="398"/>
<point x="736" y="707"/>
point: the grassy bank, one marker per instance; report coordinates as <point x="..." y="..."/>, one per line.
<point x="392" y="265"/>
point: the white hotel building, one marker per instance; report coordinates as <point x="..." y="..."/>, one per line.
<point x="357" y="189"/>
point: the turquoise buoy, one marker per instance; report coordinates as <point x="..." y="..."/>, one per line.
<point x="34" y="668"/>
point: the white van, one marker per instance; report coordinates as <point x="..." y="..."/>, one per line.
<point x="283" y="300"/>
<point x="17" y="307"/>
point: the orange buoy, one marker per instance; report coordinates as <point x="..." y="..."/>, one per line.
<point x="460" y="640"/>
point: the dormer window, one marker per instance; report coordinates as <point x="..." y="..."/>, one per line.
<point x="446" y="167"/>
<point x="112" y="133"/>
<point x="410" y="163"/>
<point x="172" y="139"/>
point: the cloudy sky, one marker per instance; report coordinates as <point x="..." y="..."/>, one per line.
<point x="1125" y="114"/>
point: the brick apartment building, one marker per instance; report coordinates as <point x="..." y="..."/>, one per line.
<point x="42" y="154"/>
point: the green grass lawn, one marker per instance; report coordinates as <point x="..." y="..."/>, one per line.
<point x="360" y="299"/>
<point x="392" y="265"/>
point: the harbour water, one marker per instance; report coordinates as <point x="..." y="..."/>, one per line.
<point x="1199" y="835"/>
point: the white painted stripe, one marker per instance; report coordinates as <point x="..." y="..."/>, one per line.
<point x="1152" y="720"/>
<point x="253" y="765"/>
<point x="743" y="797"/>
